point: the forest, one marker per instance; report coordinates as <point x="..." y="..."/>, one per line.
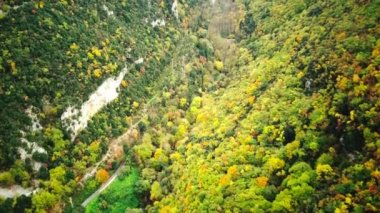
<point x="190" y="106"/>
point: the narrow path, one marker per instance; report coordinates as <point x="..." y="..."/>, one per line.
<point x="104" y="186"/>
<point x="116" y="142"/>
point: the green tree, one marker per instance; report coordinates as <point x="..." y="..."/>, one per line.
<point x="6" y="179"/>
<point x="56" y="136"/>
<point x="156" y="191"/>
<point x="43" y="200"/>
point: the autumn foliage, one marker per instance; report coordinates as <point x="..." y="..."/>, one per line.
<point x="102" y="175"/>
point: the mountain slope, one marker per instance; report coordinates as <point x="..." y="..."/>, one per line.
<point x="260" y="106"/>
<point x="295" y="129"/>
<point x="58" y="56"/>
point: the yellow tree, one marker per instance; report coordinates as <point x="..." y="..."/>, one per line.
<point x="102" y="176"/>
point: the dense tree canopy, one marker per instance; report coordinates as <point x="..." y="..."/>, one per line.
<point x="227" y="106"/>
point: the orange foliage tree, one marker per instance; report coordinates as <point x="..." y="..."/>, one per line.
<point x="102" y="176"/>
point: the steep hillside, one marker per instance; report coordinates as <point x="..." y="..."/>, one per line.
<point x="72" y="75"/>
<point x="289" y="125"/>
<point x="190" y="106"/>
